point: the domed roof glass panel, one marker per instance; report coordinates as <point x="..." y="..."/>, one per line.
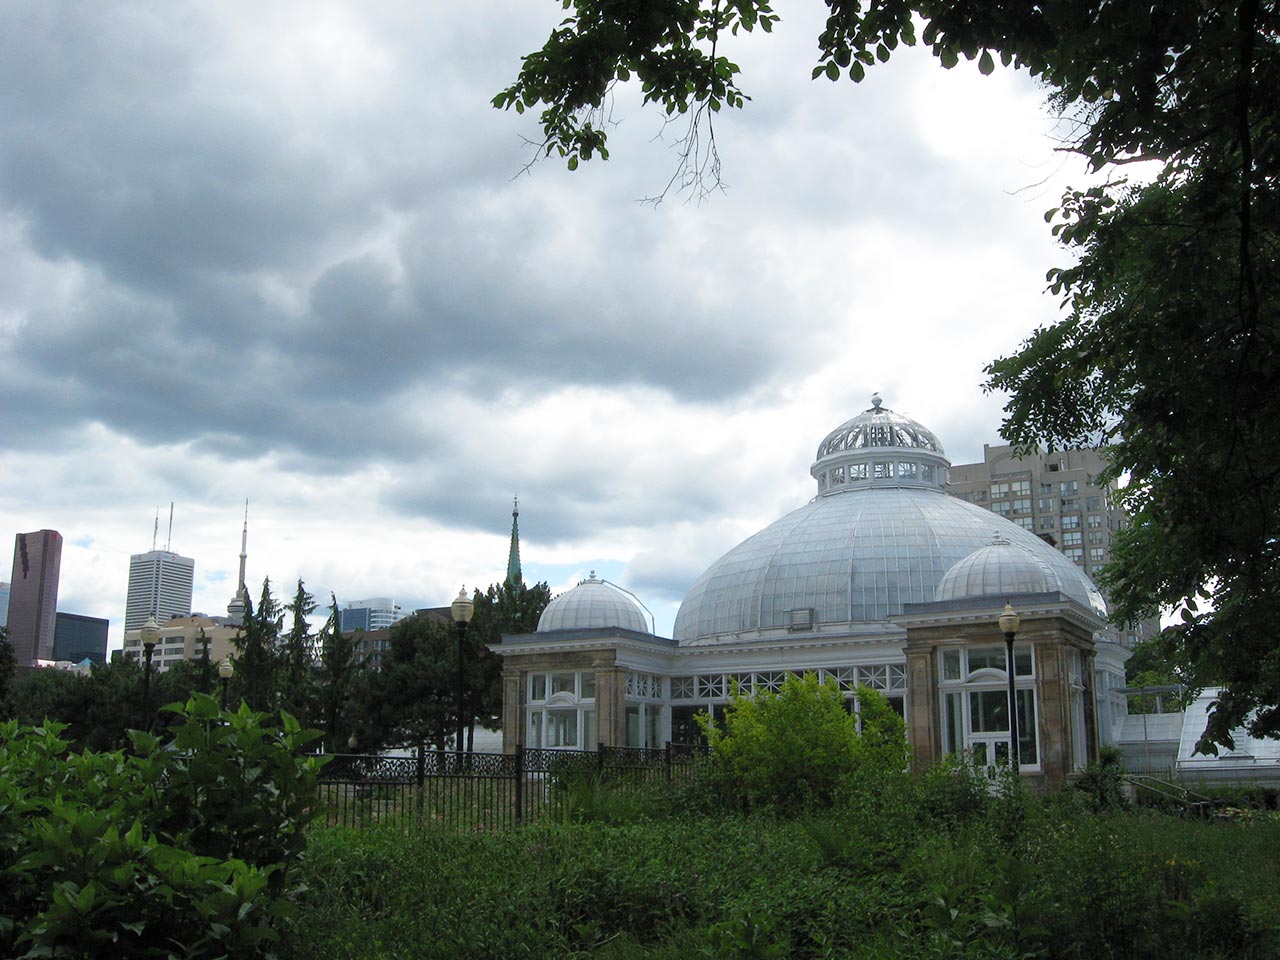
<point x="853" y="558"/>
<point x="593" y="603"/>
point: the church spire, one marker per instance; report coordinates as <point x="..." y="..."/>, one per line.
<point x="240" y="602"/>
<point x="513" y="555"/>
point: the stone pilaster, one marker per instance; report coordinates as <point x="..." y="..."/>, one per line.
<point x="513" y="690"/>
<point x="923" y="719"/>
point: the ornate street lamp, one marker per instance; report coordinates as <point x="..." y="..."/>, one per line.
<point x="1009" y="623"/>
<point x="150" y="637"/>
<point x="226" y="669"/>
<point x="462" y="610"/>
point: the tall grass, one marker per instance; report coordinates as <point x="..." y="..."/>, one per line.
<point x="918" y="870"/>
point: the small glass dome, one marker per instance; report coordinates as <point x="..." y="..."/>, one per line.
<point x="1003" y="568"/>
<point x="593" y="603"/>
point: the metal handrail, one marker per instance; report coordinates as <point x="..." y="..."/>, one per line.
<point x="1190" y="800"/>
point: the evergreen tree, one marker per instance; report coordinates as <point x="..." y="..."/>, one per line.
<point x="8" y="667"/>
<point x="411" y="699"/>
<point x="205" y="684"/>
<point x="256" y="651"/>
<point x="297" y="660"/>
<point x="338" y="678"/>
<point x="509" y="607"/>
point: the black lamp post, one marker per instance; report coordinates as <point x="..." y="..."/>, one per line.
<point x="1009" y="623"/>
<point x="462" y="610"/>
<point x="150" y="636"/>
<point x="226" y="669"/>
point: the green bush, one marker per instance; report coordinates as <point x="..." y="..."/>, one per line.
<point x="112" y="854"/>
<point x="953" y="793"/>
<point x="799" y="748"/>
<point x="1102" y="782"/>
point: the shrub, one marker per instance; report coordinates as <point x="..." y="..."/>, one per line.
<point x="1102" y="782"/>
<point x="137" y="855"/>
<point x="799" y="748"/>
<point x="953" y="793"/>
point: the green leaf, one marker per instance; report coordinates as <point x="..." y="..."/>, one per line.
<point x="573" y="162"/>
<point x="833" y="71"/>
<point x="948" y="57"/>
<point x="985" y="64"/>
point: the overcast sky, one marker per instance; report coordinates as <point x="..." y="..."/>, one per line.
<point x="286" y="253"/>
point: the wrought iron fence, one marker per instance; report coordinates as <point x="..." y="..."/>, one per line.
<point x="482" y="791"/>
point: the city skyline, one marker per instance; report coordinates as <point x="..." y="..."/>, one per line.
<point x="290" y="256"/>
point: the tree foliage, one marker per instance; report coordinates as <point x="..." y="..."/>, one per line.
<point x="297" y="659"/>
<point x="181" y="851"/>
<point x="800" y="747"/>
<point x="412" y="697"/>
<point x="8" y="667"/>
<point x="1167" y="351"/>
<point x="508" y="607"/>
<point x="257" y="654"/>
<point x="337" y="680"/>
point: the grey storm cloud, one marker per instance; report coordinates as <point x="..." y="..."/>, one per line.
<point x="188" y="200"/>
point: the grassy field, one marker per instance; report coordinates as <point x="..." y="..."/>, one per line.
<point x="890" y="874"/>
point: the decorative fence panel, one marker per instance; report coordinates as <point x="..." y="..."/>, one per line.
<point x="481" y="791"/>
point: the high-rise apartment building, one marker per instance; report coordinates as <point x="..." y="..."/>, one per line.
<point x="160" y="585"/>
<point x="33" y="594"/>
<point x="1058" y="496"/>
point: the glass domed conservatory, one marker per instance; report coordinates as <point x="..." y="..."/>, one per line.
<point x="882" y="579"/>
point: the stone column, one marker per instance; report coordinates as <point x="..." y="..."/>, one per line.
<point x="923" y="730"/>
<point x="513" y="688"/>
<point x="1053" y="693"/>
<point x="611" y="699"/>
<point x="1091" y="732"/>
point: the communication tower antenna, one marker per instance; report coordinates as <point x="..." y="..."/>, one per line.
<point x="155" y="530"/>
<point x="170" y="538"/>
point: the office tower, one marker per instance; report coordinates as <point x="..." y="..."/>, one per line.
<point x="4" y="603"/>
<point x="1059" y="496"/>
<point x="77" y="637"/>
<point x="160" y="585"/>
<point x="376" y="613"/>
<point x="33" y="594"/>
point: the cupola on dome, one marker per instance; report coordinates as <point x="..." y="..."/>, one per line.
<point x="593" y="604"/>
<point x="879" y="448"/>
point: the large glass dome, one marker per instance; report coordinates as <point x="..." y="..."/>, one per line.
<point x="859" y="550"/>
